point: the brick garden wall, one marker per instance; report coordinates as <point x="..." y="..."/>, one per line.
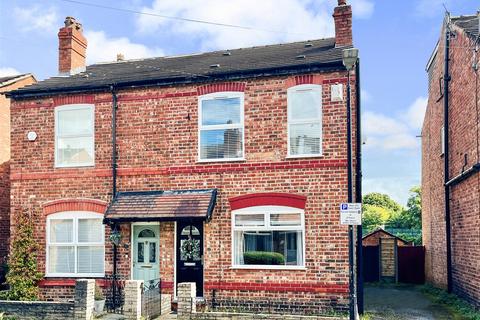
<point x="465" y="197"/>
<point x="157" y="144"/>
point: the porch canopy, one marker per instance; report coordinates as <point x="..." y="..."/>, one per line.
<point x="161" y="206"/>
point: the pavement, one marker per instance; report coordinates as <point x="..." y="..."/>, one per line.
<point x="401" y="303"/>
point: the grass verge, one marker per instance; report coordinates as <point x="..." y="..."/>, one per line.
<point x="461" y="309"/>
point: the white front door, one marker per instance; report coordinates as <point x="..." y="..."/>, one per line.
<point x="145" y="252"/>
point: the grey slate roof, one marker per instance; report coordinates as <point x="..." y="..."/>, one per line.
<point x="232" y="64"/>
<point x="469" y="23"/>
<point x="8" y="79"/>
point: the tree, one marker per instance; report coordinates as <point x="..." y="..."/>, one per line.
<point x="23" y="275"/>
<point x="378" y="209"/>
<point x="383" y="201"/>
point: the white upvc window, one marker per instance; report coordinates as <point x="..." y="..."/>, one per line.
<point x="268" y="237"/>
<point x="304" y="120"/>
<point x="74" y="135"/>
<point x="221" y="127"/>
<point x="75" y="244"/>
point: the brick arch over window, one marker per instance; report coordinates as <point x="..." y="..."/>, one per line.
<point x="304" y="79"/>
<point x="268" y="199"/>
<point x="90" y="205"/>
<point x="221" y="87"/>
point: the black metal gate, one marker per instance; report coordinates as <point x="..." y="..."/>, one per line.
<point x="152" y="299"/>
<point x="411" y="264"/>
<point x="115" y="294"/>
<point x="371" y="263"/>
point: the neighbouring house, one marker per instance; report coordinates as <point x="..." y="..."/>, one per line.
<point x="7" y="83"/>
<point x="450" y="160"/>
<point x="224" y="168"/>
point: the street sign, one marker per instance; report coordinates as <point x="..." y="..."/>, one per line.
<point x="351" y="213"/>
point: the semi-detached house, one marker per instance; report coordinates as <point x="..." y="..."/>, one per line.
<point x="229" y="169"/>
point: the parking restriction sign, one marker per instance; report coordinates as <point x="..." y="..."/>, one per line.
<point x="351" y="214"/>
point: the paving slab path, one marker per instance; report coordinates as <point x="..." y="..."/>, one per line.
<point x="402" y="303"/>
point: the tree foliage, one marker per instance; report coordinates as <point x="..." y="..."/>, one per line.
<point x="379" y="210"/>
<point x="383" y="201"/>
<point x="23" y="275"/>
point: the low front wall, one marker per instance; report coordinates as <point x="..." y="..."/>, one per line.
<point x="250" y="316"/>
<point x="300" y="303"/>
<point x="38" y="309"/>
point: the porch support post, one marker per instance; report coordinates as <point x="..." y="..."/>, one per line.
<point x="132" y="308"/>
<point x="186" y="292"/>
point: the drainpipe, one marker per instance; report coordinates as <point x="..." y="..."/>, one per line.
<point x="446" y="81"/>
<point x="350" y="199"/>
<point x="358" y="186"/>
<point x="114" y="226"/>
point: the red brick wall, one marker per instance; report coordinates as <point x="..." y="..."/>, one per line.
<point x="4" y="211"/>
<point x="157" y="144"/>
<point x="465" y="197"/>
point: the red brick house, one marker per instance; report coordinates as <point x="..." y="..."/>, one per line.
<point x="450" y="161"/>
<point x="7" y="83"/>
<point x="228" y="170"/>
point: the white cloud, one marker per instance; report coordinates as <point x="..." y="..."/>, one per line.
<point x="416" y="113"/>
<point x="274" y="21"/>
<point x="7" y="71"/>
<point x="366" y="96"/>
<point x="362" y="9"/>
<point x="101" y="48"/>
<point x="42" y="20"/>
<point x="394" y="133"/>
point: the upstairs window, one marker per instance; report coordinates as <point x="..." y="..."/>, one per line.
<point x="75" y="244"/>
<point x="221" y="130"/>
<point x="305" y="121"/>
<point x="74" y="135"/>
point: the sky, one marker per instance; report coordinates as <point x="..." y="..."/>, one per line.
<point x="395" y="39"/>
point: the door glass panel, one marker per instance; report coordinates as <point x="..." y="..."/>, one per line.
<point x="153" y="252"/>
<point x="186" y="231"/>
<point x="140" y="252"/>
<point x="147" y="233"/>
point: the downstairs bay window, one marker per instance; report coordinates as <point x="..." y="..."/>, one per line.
<point x="75" y="245"/>
<point x="268" y="237"/>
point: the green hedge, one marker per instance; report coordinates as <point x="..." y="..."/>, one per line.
<point x="263" y="257"/>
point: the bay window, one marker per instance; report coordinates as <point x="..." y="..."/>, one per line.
<point x="75" y="244"/>
<point x="268" y="237"/>
<point x="221" y="130"/>
<point x="74" y="135"/>
<point x="304" y="120"/>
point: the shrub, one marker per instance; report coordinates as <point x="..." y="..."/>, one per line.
<point x="98" y="293"/>
<point x="263" y="257"/>
<point x="23" y="276"/>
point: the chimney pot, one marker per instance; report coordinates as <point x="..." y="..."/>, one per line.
<point x="342" y="2"/>
<point x="72" y="48"/>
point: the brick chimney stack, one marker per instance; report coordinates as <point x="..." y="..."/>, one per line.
<point x="343" y="24"/>
<point x="72" y="48"/>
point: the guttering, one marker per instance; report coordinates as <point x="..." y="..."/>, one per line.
<point x="446" y="80"/>
<point x="464" y="175"/>
<point x="358" y="185"/>
<point x="227" y="76"/>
